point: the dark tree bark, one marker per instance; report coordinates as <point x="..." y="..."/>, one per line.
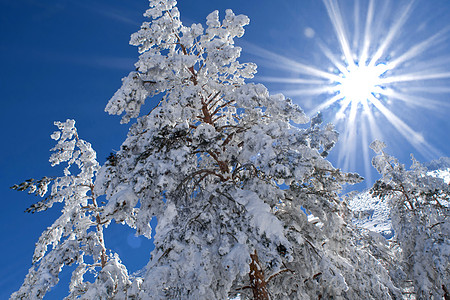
<point x="258" y="282"/>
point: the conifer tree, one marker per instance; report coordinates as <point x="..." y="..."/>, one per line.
<point x="420" y="212"/>
<point x="76" y="237"/>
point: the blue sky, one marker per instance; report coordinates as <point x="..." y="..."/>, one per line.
<point x="64" y="59"/>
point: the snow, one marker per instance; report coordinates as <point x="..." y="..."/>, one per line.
<point x="444" y="174"/>
<point x="207" y="163"/>
<point x="371" y="213"/>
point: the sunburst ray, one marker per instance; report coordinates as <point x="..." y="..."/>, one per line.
<point x="370" y="72"/>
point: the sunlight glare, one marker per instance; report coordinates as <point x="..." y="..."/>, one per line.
<point x="376" y="73"/>
<point x="359" y="83"/>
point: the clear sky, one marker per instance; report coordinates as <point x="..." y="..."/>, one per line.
<point x="64" y="59"/>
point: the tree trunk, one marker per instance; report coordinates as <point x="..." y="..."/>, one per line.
<point x="258" y="282"/>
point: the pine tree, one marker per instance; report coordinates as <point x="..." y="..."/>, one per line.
<point x="245" y="200"/>
<point x="76" y="237"/>
<point x="420" y="214"/>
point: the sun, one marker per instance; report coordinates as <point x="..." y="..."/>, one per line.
<point x="373" y="72"/>
<point x="361" y="83"/>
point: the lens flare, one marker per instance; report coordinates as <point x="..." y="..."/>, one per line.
<point x="377" y="73"/>
<point x="360" y="83"/>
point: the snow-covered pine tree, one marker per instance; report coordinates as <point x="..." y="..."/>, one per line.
<point x="208" y="163"/>
<point x="76" y="237"/>
<point x="246" y="202"/>
<point x="420" y="213"/>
